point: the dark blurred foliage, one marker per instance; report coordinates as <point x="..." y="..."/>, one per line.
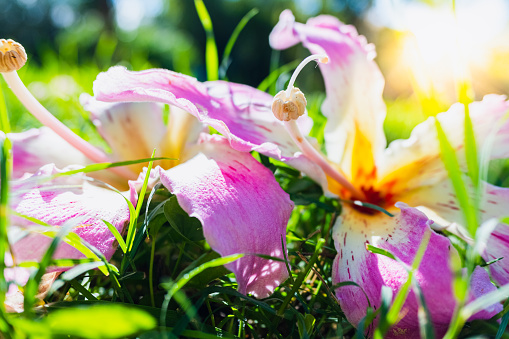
<point x="81" y="31"/>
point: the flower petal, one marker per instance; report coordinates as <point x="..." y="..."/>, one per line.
<point x="242" y="209"/>
<point x="441" y="199"/>
<point x="401" y="235"/>
<point x="354" y="134"/>
<point x="241" y="113"/>
<point x="416" y="162"/>
<point x="60" y="201"/>
<point x="36" y="147"/>
<point x="119" y="123"/>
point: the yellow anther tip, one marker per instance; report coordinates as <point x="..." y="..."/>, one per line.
<point x="324" y="60"/>
<point x="12" y="55"/>
<point x="286" y="108"/>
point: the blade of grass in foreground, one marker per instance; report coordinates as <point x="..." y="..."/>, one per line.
<point x="105" y="165"/>
<point x="70" y="238"/>
<point x="272" y="77"/>
<point x="231" y="42"/>
<point x="5" y="126"/>
<point x="4" y="220"/>
<point x="211" y="57"/>
<point x="141" y="197"/>
<point x="452" y="166"/>
<point x="174" y="287"/>
<point x="31" y="286"/>
<point x="393" y="314"/>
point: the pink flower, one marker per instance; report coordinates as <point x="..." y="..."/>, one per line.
<point x="358" y="165"/>
<point x="238" y="201"/>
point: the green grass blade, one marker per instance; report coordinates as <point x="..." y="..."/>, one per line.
<point x="132" y="228"/>
<point x="5" y="147"/>
<point x="33" y="283"/>
<point x="487" y="300"/>
<point x="176" y="286"/>
<point x="211" y="56"/>
<point x="302" y="276"/>
<point x="81" y="289"/>
<point x="451" y="163"/>
<point x="503" y="326"/>
<point x="380" y="251"/>
<point x="233" y="38"/>
<point x="106" y="165"/>
<point x="5" y="126"/>
<point x="424" y="316"/>
<point x="471" y="150"/>
<point x="71" y="239"/>
<point x="73" y="273"/>
<point x="399" y="300"/>
<point x="117" y="236"/>
<point x="274" y="75"/>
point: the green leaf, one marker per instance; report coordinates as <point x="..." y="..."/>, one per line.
<point x="211" y="55"/>
<point x="100" y="321"/>
<point x="306" y="325"/>
<point x="187" y="227"/>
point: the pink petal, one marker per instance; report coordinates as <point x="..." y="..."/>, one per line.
<point x="37" y="147"/>
<point x="354" y="85"/>
<point x="241" y="113"/>
<point x="69" y="199"/>
<point x="241" y="207"/>
<point x="401" y="235"/>
<point x="441" y="199"/>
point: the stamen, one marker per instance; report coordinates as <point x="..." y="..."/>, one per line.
<point x="288" y="106"/>
<point x="12" y="55"/>
<point x="46" y="118"/>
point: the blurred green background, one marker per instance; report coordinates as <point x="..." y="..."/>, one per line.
<point x="425" y="48"/>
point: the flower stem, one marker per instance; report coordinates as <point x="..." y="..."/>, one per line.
<point x="46" y="118"/>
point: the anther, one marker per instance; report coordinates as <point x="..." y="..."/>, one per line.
<point x="286" y="108"/>
<point x="12" y="55"/>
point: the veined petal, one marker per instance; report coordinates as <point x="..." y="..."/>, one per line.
<point x="415" y="162"/>
<point x="354" y="135"/>
<point x="131" y="129"/>
<point x="64" y="200"/>
<point x="241" y="113"/>
<point x="242" y="209"/>
<point x="36" y="147"/>
<point x="401" y="235"/>
<point x="441" y="199"/>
